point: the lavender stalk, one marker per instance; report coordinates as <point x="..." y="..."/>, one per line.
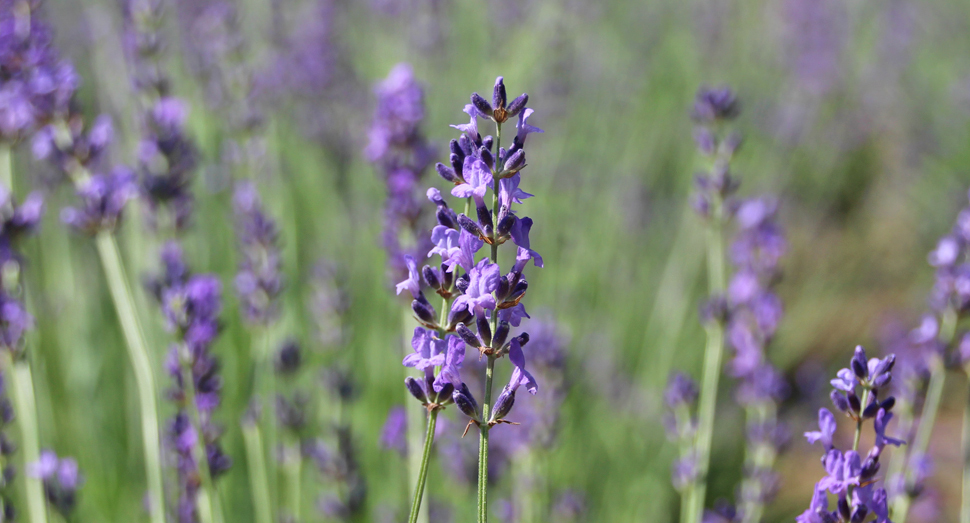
<point x="23" y="385"/>
<point x="712" y="107"/>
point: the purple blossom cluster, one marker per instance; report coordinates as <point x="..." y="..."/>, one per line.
<point x="398" y="146"/>
<point x="36" y="85"/>
<point x="849" y="476"/>
<point x="16" y="222"/>
<point x="259" y="280"/>
<point x="61" y="478"/>
<point x="191" y="304"/>
<point x="482" y="290"/>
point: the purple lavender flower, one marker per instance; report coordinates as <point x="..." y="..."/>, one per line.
<point x="394" y="433"/>
<point x="258" y="281"/>
<point x="103" y="198"/>
<point x="712" y="104"/>
<point x="61" y="479"/>
<point x="37" y="85"/>
<point x="167" y="159"/>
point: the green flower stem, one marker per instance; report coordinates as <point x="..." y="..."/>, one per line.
<point x="965" y="502"/>
<point x="760" y="457"/>
<point x="423" y="471"/>
<point x="23" y="385"/>
<point x="114" y="272"/>
<point x="934" y="393"/>
<point x="207" y="500"/>
<point x="713" y="355"/>
<point x="293" y="468"/>
<point x="264" y="385"/>
<point x="414" y="423"/>
<point x="858" y="422"/>
<point x="6" y="167"/>
<point x="257" y="471"/>
<point x="490" y="369"/>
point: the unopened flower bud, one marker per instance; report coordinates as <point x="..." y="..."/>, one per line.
<point x="423" y="310"/>
<point x="430" y="277"/>
<point x="515" y="162"/>
<point x="444" y="395"/>
<point x="498" y="94"/>
<point x="469" y="225"/>
<point x="501" y="334"/>
<point x="854" y="402"/>
<point x="482" y="105"/>
<point x="415" y="389"/>
<point x="503" y="404"/>
<point x="468" y="336"/>
<point x="484" y="330"/>
<point x="516" y="106"/>
<point x="840" y="401"/>
<point x="487" y="157"/>
<point x="487" y="142"/>
<point x="888" y="404"/>
<point x="445" y="172"/>
<point x="462" y="283"/>
<point x="465" y="401"/>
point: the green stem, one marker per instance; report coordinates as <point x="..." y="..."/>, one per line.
<point x="423" y="471"/>
<point x="713" y="355"/>
<point x="490" y="369"/>
<point x="6" y="167"/>
<point x="207" y="495"/>
<point x="124" y="304"/>
<point x="23" y="384"/>
<point x="294" y="472"/>
<point x="414" y="423"/>
<point x="257" y="471"/>
<point x="934" y="393"/>
<point x="858" y="422"/>
<point x="965" y="502"/>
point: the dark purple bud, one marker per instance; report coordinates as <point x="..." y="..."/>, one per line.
<point x="871" y="410"/>
<point x="446" y="172"/>
<point x="465" y="401"/>
<point x="870" y="468"/>
<point x="518" y="291"/>
<point x="484" y="330"/>
<point x="840" y="401"/>
<point x="288" y="358"/>
<point x="523" y="338"/>
<point x="447" y="278"/>
<point x="503" y="404"/>
<point x="444" y="396"/>
<point x="487" y="157"/>
<point x="505" y="225"/>
<point x="844" y="510"/>
<point x="485" y="218"/>
<point x="423" y="310"/>
<point x="482" y="105"/>
<point x="415" y="389"/>
<point x="487" y="142"/>
<point x="462" y="283"/>
<point x="430" y="277"/>
<point x="457" y="317"/>
<point x="469" y="225"/>
<point x="888" y="404"/>
<point x="516" y="106"/>
<point x="854" y="402"/>
<point x="455" y="148"/>
<point x="456" y="164"/>
<point x="860" y="514"/>
<point x="860" y="365"/>
<point x="465" y="145"/>
<point x="882" y="380"/>
<point x="446" y="217"/>
<point x="498" y="94"/>
<point x="503" y="289"/>
<point x="468" y="336"/>
<point x="516" y="161"/>
<point x="501" y="334"/>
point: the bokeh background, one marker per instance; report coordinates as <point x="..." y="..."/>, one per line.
<point x="855" y="114"/>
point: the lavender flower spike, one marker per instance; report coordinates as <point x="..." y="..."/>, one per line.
<point x="61" y="479"/>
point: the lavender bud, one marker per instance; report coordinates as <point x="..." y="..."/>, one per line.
<point x="859" y="369"/>
<point x="870" y="468"/>
<point x="503" y="289"/>
<point x="501" y="334"/>
<point x="516" y="106"/>
<point x="888" y="404"/>
<point x="445" y="172"/>
<point x="288" y="358"/>
<point x="485" y="218"/>
<point x="457" y="163"/>
<point x="882" y="380"/>
<point x="487" y="157"/>
<point x="516" y="161"/>
<point x="469" y="225"/>
<point x="415" y="389"/>
<point x="844" y="509"/>
<point x="498" y="94"/>
<point x="465" y="144"/>
<point x="430" y="277"/>
<point x="871" y="410"/>
<point x="704" y="138"/>
<point x="503" y="404"/>
<point x="447" y="278"/>
<point x="519" y="290"/>
<point x="444" y="396"/>
<point x="456" y="149"/>
<point x="457" y="317"/>
<point x="465" y="401"/>
<point x="446" y="217"/>
<point x="468" y="336"/>
<point x="854" y="402"/>
<point x="484" y="330"/>
<point x="487" y="142"/>
<point x="423" y="310"/>
<point x="840" y="401"/>
<point x="482" y="105"/>
<point x="523" y="338"/>
<point x="859" y="515"/>
<point x="505" y="225"/>
<point x="462" y="283"/>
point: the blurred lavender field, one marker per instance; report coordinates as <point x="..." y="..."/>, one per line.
<point x="855" y="117"/>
